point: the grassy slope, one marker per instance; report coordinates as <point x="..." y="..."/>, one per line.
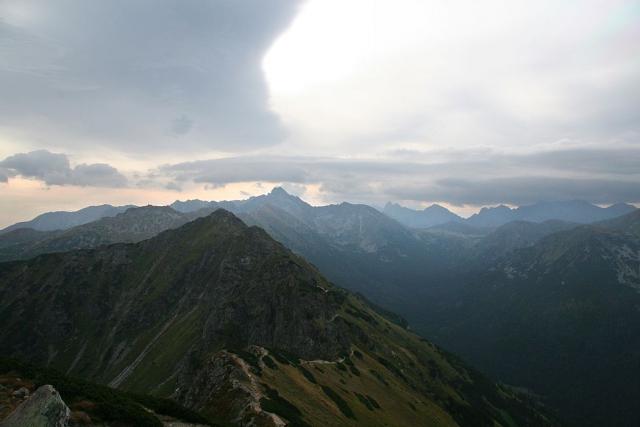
<point x="90" y="401"/>
<point x="400" y="379"/>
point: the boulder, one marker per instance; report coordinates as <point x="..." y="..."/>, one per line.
<point x="21" y="393"/>
<point x="45" y="408"/>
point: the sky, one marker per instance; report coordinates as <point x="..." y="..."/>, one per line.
<point x="461" y="103"/>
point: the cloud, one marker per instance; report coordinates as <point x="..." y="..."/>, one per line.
<point x="54" y="169"/>
<point x="485" y="177"/>
<point x="43" y="165"/>
<point x="133" y="76"/>
<point x="97" y="175"/>
<point x="459" y="74"/>
<point x="521" y="190"/>
<point x="173" y="186"/>
<point x="460" y="102"/>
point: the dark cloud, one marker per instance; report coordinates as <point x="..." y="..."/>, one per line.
<point x="41" y="164"/>
<point x="520" y="190"/>
<point x="600" y="176"/>
<point x="97" y="175"/>
<point x="54" y="169"/>
<point x="135" y="74"/>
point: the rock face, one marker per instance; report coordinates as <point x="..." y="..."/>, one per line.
<point x="45" y="408"/>
<point x="227" y="382"/>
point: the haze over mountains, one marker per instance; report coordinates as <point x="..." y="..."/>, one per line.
<point x="570" y="289"/>
<point x="576" y="211"/>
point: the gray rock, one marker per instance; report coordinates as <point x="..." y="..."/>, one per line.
<point x="22" y="393"/>
<point x="45" y="408"/>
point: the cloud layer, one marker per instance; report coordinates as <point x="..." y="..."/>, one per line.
<point x="459" y="178"/>
<point x="466" y="102"/>
<point x="54" y="169"/>
<point x="460" y="74"/>
<point x="139" y="75"/>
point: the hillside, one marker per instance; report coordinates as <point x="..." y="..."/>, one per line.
<point x="133" y="225"/>
<point x="425" y="218"/>
<point x="88" y="404"/>
<point x="228" y="322"/>
<point x="62" y="220"/>
<point x="515" y="235"/>
<point x="560" y="317"/>
<point x="575" y="211"/>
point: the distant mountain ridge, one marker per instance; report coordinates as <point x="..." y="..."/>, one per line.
<point x="577" y="211"/>
<point x="428" y="217"/>
<point x="62" y="220"/>
<point x="130" y="226"/>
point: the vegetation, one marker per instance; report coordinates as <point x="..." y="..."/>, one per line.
<point x="308" y="375"/>
<point x="107" y="404"/>
<point x="342" y="405"/>
<point x="274" y="403"/>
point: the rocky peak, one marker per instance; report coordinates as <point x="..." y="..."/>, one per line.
<point x="279" y="192"/>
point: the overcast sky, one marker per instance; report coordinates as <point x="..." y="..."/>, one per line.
<point x="462" y="103"/>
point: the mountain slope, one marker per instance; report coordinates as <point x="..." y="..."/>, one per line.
<point x="628" y="224"/>
<point x="356" y="247"/>
<point x="576" y="211"/>
<point x="492" y="217"/>
<point x="91" y="404"/>
<point x="428" y="217"/>
<point x="228" y="322"/>
<point x="133" y="225"/>
<point x="62" y="220"/>
<point x="561" y="317"/>
<point x="515" y="235"/>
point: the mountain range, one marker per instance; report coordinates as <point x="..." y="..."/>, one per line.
<point x="575" y="211"/>
<point x="428" y="217"/>
<point x="226" y="321"/>
<point x="62" y="220"/>
<point x="547" y="293"/>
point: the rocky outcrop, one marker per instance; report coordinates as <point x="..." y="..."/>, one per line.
<point x="45" y="408"/>
<point x="226" y="383"/>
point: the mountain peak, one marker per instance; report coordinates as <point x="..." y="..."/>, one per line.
<point x="279" y="191"/>
<point x="428" y="217"/>
<point x="436" y="208"/>
<point x="218" y="217"/>
<point x="392" y="205"/>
